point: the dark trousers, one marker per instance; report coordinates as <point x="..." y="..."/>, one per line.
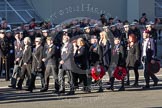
<point x="148" y="74"/>
<point x="5" y="66"/>
<point x="25" y="70"/>
<point x="75" y="79"/>
<point x="62" y="79"/>
<point x="51" y="69"/>
<point x="84" y="79"/>
<point x="112" y="79"/>
<point x="15" y="75"/>
<point x="33" y="78"/>
<point x="155" y="47"/>
<point x="135" y="73"/>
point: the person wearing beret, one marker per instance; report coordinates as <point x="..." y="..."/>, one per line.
<point x="148" y="55"/>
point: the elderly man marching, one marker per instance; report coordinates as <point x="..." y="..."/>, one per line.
<point x="66" y="65"/>
<point x="37" y="64"/>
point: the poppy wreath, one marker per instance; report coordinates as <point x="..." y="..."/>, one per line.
<point x="154" y="67"/>
<point x="97" y="72"/>
<point x="119" y="74"/>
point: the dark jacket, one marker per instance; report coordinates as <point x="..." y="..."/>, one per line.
<point x="18" y="50"/>
<point x="153" y="34"/>
<point x="67" y="57"/>
<point x="94" y="54"/>
<point x="133" y="56"/>
<point x="27" y="55"/>
<point x="150" y="50"/>
<point x="104" y="53"/>
<point x="37" y="64"/>
<point x="118" y="55"/>
<point x="4" y="47"/>
<point x="81" y="58"/>
<point x="51" y="56"/>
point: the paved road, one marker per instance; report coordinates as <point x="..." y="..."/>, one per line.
<point x="132" y="97"/>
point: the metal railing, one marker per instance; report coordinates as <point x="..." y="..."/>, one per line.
<point x="16" y="15"/>
<point x="15" y="11"/>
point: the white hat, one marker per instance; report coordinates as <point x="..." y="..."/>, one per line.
<point x="87" y="27"/>
<point x="148" y="25"/>
<point x="2" y="31"/>
<point x="126" y="26"/>
<point x="65" y="30"/>
<point x="44" y="31"/>
<point x="113" y="25"/>
<point x="105" y="27"/>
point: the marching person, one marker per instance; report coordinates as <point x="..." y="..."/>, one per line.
<point x="4" y="54"/>
<point x="81" y="59"/>
<point x="153" y="35"/>
<point x="50" y="63"/>
<point x="133" y="58"/>
<point x="148" y="54"/>
<point x="94" y="58"/>
<point x="94" y="51"/>
<point x="26" y="62"/>
<point x="18" y="49"/>
<point x="105" y="51"/>
<point x="117" y="60"/>
<point x="37" y="64"/>
<point x="66" y="65"/>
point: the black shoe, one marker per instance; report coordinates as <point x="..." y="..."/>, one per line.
<point x="62" y="90"/>
<point x="34" y="87"/>
<point x="108" y="83"/>
<point x="110" y="88"/>
<point x="7" y="79"/>
<point x="70" y="93"/>
<point x="61" y="93"/>
<point x="43" y="89"/>
<point x="156" y="83"/>
<point x="121" y="89"/>
<point x="19" y="88"/>
<point x="135" y="85"/>
<point x="127" y="83"/>
<point x="26" y="86"/>
<point x="94" y="82"/>
<point x="11" y="86"/>
<point x="76" y="87"/>
<point x="100" y="90"/>
<point x="55" y="91"/>
<point x="146" y="87"/>
<point x="29" y="90"/>
<point x="87" y="91"/>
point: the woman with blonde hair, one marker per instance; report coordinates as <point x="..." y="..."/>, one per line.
<point x="26" y="62"/>
<point x="104" y="50"/>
